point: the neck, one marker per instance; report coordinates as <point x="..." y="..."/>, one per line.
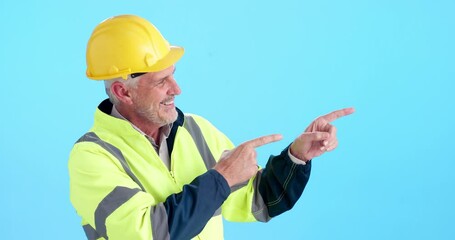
<point x="148" y="128"/>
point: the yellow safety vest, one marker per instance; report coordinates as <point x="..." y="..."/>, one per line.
<point x="114" y="157"/>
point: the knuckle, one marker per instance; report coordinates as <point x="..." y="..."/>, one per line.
<point x="323" y="135"/>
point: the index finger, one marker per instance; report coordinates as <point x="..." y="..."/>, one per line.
<point x="260" y="141"/>
<point x="338" y="113"/>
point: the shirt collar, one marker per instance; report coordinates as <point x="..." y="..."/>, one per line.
<point x="164" y="130"/>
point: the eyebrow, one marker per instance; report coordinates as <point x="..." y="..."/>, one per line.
<point x="162" y="78"/>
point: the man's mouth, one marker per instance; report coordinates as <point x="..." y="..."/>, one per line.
<point x="168" y="102"/>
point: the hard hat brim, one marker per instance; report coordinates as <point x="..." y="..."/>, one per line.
<point x="170" y="59"/>
<point x="174" y="55"/>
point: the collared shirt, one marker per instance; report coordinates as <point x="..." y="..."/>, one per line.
<point x="161" y="148"/>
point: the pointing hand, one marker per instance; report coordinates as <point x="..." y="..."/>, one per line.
<point x="319" y="137"/>
<point x="240" y="164"/>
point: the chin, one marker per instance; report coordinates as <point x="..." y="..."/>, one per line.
<point x="169" y="117"/>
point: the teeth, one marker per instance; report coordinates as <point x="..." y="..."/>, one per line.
<point x="168" y="102"/>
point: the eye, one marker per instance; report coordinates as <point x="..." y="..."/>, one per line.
<point x="161" y="82"/>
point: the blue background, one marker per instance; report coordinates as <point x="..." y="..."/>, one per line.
<point x="252" y="68"/>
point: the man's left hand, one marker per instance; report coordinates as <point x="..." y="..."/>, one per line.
<point x="319" y="136"/>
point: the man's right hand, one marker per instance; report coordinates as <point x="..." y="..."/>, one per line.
<point x="240" y="164"/>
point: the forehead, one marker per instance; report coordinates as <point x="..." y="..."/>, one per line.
<point x="151" y="76"/>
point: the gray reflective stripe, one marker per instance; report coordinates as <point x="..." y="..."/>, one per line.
<point x="238" y="186"/>
<point x="196" y="133"/>
<point x="109" y="204"/>
<point x="160" y="228"/>
<point x="92" y="137"/>
<point x="258" y="206"/>
<point x="217" y="212"/>
<point x="90" y="232"/>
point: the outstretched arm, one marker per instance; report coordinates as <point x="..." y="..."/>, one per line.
<point x="280" y="184"/>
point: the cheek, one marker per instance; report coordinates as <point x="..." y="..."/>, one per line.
<point x="155" y="99"/>
<point x="149" y="98"/>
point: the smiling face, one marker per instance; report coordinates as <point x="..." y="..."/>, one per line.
<point x="153" y="97"/>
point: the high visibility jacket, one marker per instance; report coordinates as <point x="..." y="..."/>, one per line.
<point x="122" y="189"/>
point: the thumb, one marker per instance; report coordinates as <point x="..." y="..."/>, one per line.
<point x="225" y="153"/>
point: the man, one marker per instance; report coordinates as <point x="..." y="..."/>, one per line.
<point x="145" y="170"/>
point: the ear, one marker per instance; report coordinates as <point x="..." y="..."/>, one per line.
<point x="122" y="93"/>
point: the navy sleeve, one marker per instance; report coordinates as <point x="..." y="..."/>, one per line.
<point x="282" y="183"/>
<point x="190" y="210"/>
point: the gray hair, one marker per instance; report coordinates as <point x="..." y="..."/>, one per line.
<point x="129" y="82"/>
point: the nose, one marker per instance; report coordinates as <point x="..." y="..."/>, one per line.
<point x="174" y="88"/>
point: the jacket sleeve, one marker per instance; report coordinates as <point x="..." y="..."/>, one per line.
<point x="112" y="205"/>
<point x="282" y="183"/>
<point x="274" y="190"/>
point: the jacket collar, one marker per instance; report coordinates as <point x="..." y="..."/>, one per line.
<point x="106" y="107"/>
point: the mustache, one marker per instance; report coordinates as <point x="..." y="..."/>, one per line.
<point x="168" y="99"/>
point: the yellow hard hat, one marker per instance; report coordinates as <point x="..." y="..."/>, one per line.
<point x="127" y="44"/>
